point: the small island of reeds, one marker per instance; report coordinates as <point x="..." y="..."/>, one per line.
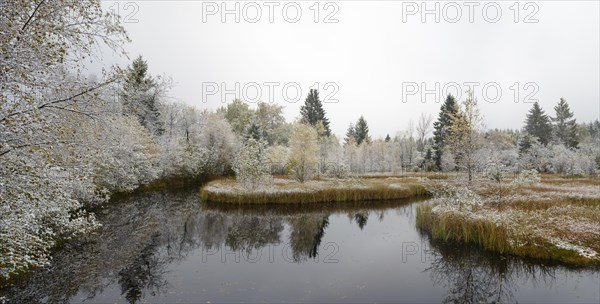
<point x="282" y="190"/>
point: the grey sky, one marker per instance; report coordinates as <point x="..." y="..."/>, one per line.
<point x="370" y="52"/>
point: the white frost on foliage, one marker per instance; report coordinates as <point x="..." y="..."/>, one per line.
<point x="585" y="252"/>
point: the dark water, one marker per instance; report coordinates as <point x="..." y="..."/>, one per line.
<point x="170" y="247"/>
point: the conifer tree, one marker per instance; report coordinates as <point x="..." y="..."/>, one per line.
<point x="350" y="135"/>
<point x="565" y="127"/>
<point x="538" y="124"/>
<point x="312" y="111"/>
<point x="441" y="128"/>
<point x="140" y="96"/>
<point x="361" y="131"/>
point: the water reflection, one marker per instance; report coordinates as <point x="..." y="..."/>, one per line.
<point x="306" y="234"/>
<point x="133" y="257"/>
<point x="145" y="273"/>
<point x="471" y="275"/>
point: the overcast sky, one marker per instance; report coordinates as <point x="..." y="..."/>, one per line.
<point x="373" y="55"/>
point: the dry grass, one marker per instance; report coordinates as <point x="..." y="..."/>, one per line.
<point x="285" y="191"/>
<point x="551" y="220"/>
<point x="453" y="227"/>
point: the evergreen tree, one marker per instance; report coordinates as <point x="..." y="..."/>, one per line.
<point x="441" y="128"/>
<point x="524" y="143"/>
<point x="361" y="132"/>
<point x="428" y="161"/>
<point x="312" y="111"/>
<point x="565" y="127"/>
<point x="254" y="131"/>
<point x="350" y="135"/>
<point x="538" y="124"/>
<point x="594" y="129"/>
<point x="140" y="96"/>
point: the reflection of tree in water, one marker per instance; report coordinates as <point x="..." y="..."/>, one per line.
<point x="144" y="274"/>
<point x="214" y="227"/>
<point x="306" y="234"/>
<point x="361" y="219"/>
<point x="252" y="232"/>
<point x="138" y="238"/>
<point x="471" y="275"/>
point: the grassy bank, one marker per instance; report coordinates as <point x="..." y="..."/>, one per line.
<point x="555" y="220"/>
<point x="286" y="191"/>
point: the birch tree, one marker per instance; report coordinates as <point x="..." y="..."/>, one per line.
<point x="303" y="159"/>
<point x="464" y="139"/>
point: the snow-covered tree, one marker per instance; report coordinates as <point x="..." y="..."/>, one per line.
<point x="303" y="159"/>
<point x="238" y="114"/>
<point x="565" y="126"/>
<point x="423" y="128"/>
<point x="441" y="128"/>
<point x="464" y="139"/>
<point x="250" y="165"/>
<point x="537" y="157"/>
<point x="277" y="157"/>
<point x="141" y="96"/>
<point x="43" y="96"/>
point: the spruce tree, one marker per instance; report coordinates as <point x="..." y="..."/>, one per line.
<point x="441" y="128"/>
<point x="361" y="131"/>
<point x="254" y="131"/>
<point x="565" y="127"/>
<point x="350" y="135"/>
<point x="312" y="111"/>
<point x="538" y="124"/>
<point x="139" y="96"/>
<point x="524" y="143"/>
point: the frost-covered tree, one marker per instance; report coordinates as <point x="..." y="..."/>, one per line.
<point x="572" y="162"/>
<point x="196" y="143"/>
<point x="423" y="128"/>
<point x="277" y="158"/>
<point x="441" y="128"/>
<point x="125" y="155"/>
<point x="537" y="157"/>
<point x="217" y="144"/>
<point x="271" y="120"/>
<point x="408" y="148"/>
<point x="250" y="165"/>
<point x="464" y="138"/>
<point x="254" y="131"/>
<point x="43" y="96"/>
<point x="303" y="159"/>
<point x="565" y="126"/>
<point x="141" y="95"/>
<point x="350" y="137"/>
<point x="238" y="114"/>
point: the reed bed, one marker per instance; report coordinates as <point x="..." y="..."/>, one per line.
<point x="284" y="191"/>
<point x="548" y="221"/>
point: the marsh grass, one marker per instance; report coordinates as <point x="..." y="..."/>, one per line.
<point x="453" y="227"/>
<point x="283" y="191"/>
<point x="549" y="221"/>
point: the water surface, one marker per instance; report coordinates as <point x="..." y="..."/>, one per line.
<point x="170" y="247"/>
